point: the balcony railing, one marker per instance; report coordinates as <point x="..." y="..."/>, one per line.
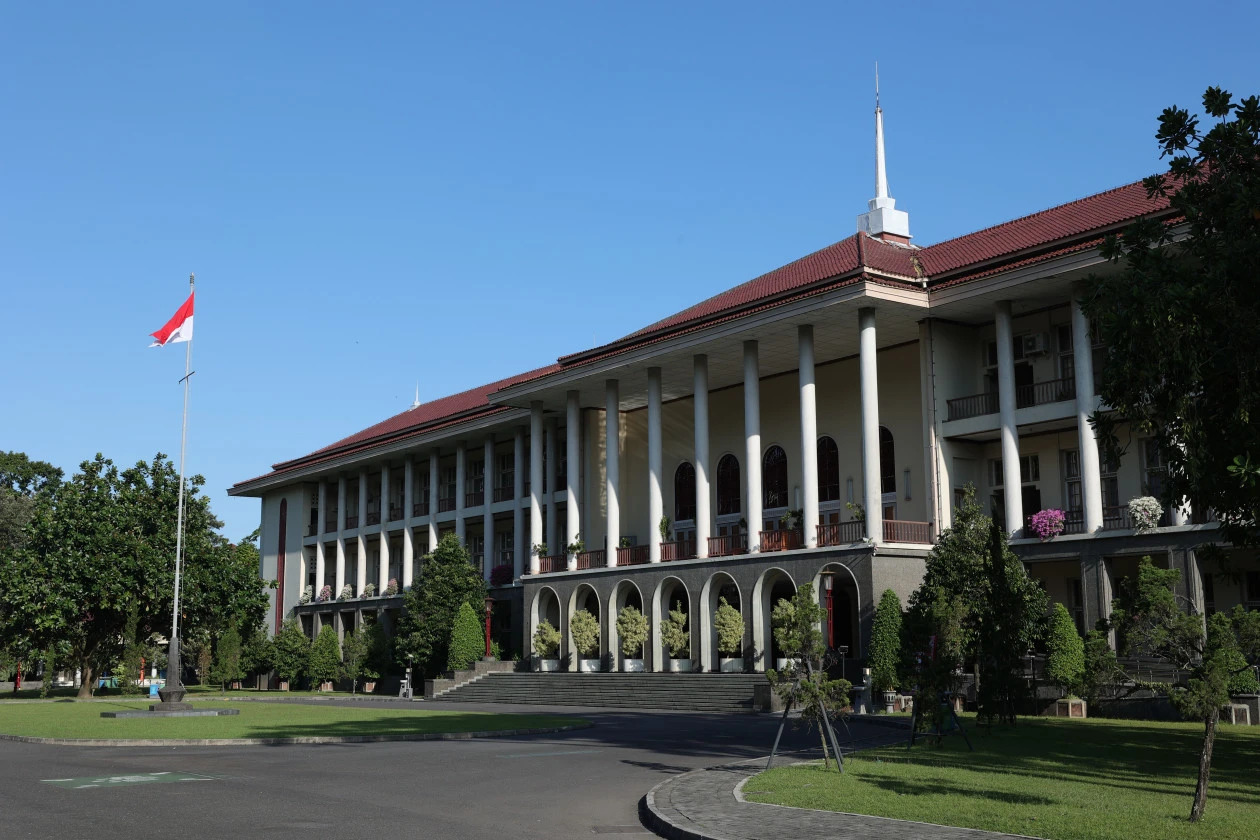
<point x="1116" y="518"/>
<point x="374" y="518"/>
<point x="841" y="533"/>
<point x="446" y="504"/>
<point x="635" y="555"/>
<point x="395" y="513"/>
<point x="591" y="559"/>
<point x="555" y="563"/>
<point x="330" y="525"/>
<point x="474" y="499"/>
<point x="504" y="494"/>
<point x="728" y="545"/>
<point x="312" y="529"/>
<point x="1073" y="522"/>
<point x="680" y="550"/>
<point x="352" y="522"/>
<point x="1039" y="393"/>
<point x="788" y="540"/>
<point x="896" y="530"/>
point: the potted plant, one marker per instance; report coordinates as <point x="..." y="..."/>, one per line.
<point x="729" y="625"/>
<point x="677" y="640"/>
<point x="391" y="588"/>
<point x="884" y="653"/>
<point x="664" y="526"/>
<point x="539" y="550"/>
<point x="547" y="646"/>
<point x="1046" y="524"/>
<point x="1065" y="663"/>
<point x="1144" y="513"/>
<point x="584" y="628"/>
<point x="369" y="591"/>
<point x="632" y="627"/>
<point x="578" y="546"/>
<point x="325" y="593"/>
<point x="347" y="592"/>
<point x="307" y="594"/>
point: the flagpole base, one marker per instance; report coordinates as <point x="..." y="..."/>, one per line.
<point x="172" y="697"/>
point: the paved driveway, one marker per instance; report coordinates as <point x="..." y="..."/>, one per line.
<point x="578" y="784"/>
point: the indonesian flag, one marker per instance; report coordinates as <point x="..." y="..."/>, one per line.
<point x="179" y="328"/>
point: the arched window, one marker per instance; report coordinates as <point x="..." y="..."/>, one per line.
<point x="684" y="492"/>
<point x="887" y="462"/>
<point x="828" y="470"/>
<point x="728" y="485"/>
<point x="774" y="479"/>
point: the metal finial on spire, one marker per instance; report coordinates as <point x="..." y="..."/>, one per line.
<point x="883" y="219"/>
<point x="877" y="86"/>
<point x="416" y="403"/>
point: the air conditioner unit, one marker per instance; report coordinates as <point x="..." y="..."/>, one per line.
<point x="1036" y="344"/>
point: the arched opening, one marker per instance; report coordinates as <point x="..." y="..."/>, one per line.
<point x="728" y="485"/>
<point x="774" y="478"/>
<point x="545" y="607"/>
<point x="585" y="598"/>
<point x="845" y="627"/>
<point x="684" y="493"/>
<point x="625" y="594"/>
<point x="773" y="585"/>
<point x="828" y="470"/>
<point x="719" y="586"/>
<point x="671" y="593"/>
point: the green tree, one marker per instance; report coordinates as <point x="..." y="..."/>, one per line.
<point x="1181" y="322"/>
<point x="1065" y="652"/>
<point x="1148" y="617"/>
<point x="729" y="625"/>
<point x="584" y="628"/>
<point x="884" y="654"/>
<point x="1102" y="668"/>
<point x="221" y="586"/>
<point x="292" y="651"/>
<point x="378" y="659"/>
<point x="129" y="666"/>
<point x="1011" y="620"/>
<point x="354" y="656"/>
<point x="22" y="481"/>
<point x="258" y="654"/>
<point x="632" y="627"/>
<point x="325" y="662"/>
<point x="674" y="633"/>
<point x="468" y="640"/>
<point x="227" y="657"/>
<point x="448" y="579"/>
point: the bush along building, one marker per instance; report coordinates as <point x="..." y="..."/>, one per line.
<point x="816" y="424"/>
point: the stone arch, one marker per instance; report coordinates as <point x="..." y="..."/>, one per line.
<point x="774" y="583"/>
<point x="625" y="593"/>
<point x="584" y="597"/>
<point x="545" y="607"/>
<point x="846" y="600"/>
<point x="715" y="587"/>
<point x="669" y="591"/>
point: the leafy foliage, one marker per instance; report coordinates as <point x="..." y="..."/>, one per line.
<point x="1102" y="668"/>
<point x="325" y="661"/>
<point x="584" y="628"/>
<point x="258" y="653"/>
<point x="468" y="640"/>
<point x="795" y="624"/>
<point x="1011" y="620"/>
<point x="674" y="633"/>
<point x="729" y="625"/>
<point x="1065" y="652"/>
<point x="292" y="651"/>
<point x="227" y="657"/>
<point x="448" y="580"/>
<point x="632" y="628"/>
<point x="546" y="640"/>
<point x="354" y="656"/>
<point x="884" y="654"/>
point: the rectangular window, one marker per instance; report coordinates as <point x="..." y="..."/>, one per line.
<point x="1067" y="361"/>
<point x="477" y="477"/>
<point x="447" y="490"/>
<point x="1029" y="470"/>
<point x="1153" y="465"/>
<point x="1209" y="594"/>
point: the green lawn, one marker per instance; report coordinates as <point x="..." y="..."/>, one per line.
<point x="256" y="720"/>
<point x="1054" y="778"/>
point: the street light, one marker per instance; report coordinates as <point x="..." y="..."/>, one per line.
<point x="489" y="607"/>
<point x="827" y="583"/>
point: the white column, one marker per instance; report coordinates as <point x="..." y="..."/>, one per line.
<point x="433" y="498"/>
<point x="809" y="434"/>
<point x="339" y="578"/>
<point x="656" y="504"/>
<point x="612" y="469"/>
<point x="1011" y="485"/>
<point x="1091" y="476"/>
<point x="868" y="374"/>
<point x="554" y="546"/>
<point x="408" y="546"/>
<point x="487" y="517"/>
<point x="572" y="440"/>
<point x="319" y="544"/>
<point x="752" y="445"/>
<point x="360" y="576"/>
<point x="932" y="472"/>
<point x="519" y="546"/>
<point x="382" y="565"/>
<point x="461" y="478"/>
<point x="704" y="512"/>
<point x="535" y="482"/>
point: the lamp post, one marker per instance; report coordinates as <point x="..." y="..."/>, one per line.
<point x="489" y="607"/>
<point x="827" y="583"/>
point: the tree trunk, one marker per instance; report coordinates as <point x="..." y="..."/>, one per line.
<point x="823" y="736"/>
<point x="1205" y="764"/>
<point x="85" y="687"/>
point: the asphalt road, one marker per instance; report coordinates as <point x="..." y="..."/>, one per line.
<point x="577" y="784"/>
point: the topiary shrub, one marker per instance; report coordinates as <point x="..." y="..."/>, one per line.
<point x="884" y="654"/>
<point x="325" y="662"/>
<point x="674" y="633"/>
<point x="227" y="657"/>
<point x="292" y="651"/>
<point x="468" y="640"/>
<point x="632" y="627"/>
<point x="546" y="641"/>
<point x="1065" y="652"/>
<point x="729" y="625"/>
<point x="585" y="631"/>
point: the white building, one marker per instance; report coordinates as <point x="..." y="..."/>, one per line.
<point x="872" y="373"/>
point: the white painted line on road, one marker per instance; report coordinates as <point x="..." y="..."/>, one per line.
<point x="543" y="754"/>
<point x="56" y="780"/>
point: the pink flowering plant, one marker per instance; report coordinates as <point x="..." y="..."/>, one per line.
<point x="391" y="588"/>
<point x="325" y="594"/>
<point x="1046" y="524"/>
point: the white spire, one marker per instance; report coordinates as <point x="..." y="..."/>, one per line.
<point x="416" y="404"/>
<point x="882" y="219"/>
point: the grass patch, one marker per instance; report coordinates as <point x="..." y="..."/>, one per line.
<point x="1053" y="778"/>
<point x="195" y="692"/>
<point x="256" y="720"/>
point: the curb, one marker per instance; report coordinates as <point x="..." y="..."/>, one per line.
<point x="275" y="742"/>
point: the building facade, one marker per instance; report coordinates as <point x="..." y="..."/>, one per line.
<point x="816" y="424"/>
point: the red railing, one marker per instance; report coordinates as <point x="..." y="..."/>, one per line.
<point x="635" y="555"/>
<point x="445" y="504"/>
<point x="788" y="540"/>
<point x="374" y="518"/>
<point x="896" y="530"/>
<point x="681" y="550"/>
<point x="841" y="533"/>
<point x="352" y="522"/>
<point x="504" y="494"/>
<point x="555" y="563"/>
<point x="591" y="559"/>
<point x="728" y="545"/>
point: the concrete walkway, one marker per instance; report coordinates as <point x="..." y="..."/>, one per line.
<point x="707" y="805"/>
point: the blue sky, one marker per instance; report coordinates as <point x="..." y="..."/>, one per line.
<point x="453" y="193"/>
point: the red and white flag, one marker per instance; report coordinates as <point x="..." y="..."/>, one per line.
<point x="179" y="328"/>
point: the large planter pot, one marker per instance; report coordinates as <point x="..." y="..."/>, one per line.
<point x="235" y="685"/>
<point x="632" y="665"/>
<point x="326" y="686"/>
<point x="588" y="666"/>
<point x="782" y="662"/>
<point x="548" y="665"/>
<point x="731" y="665"/>
<point x="679" y="666"/>
<point x="890" y="701"/>
<point x="369" y="687"/>
<point x="284" y="685"/>
<point x="1069" y="708"/>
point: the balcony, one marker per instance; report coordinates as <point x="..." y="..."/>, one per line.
<point x="446" y="504"/>
<point x="681" y="550"/>
<point x="554" y="563"/>
<point x="395" y="513"/>
<point x="352" y="522"/>
<point x="1073" y="522"/>
<point x="841" y="533"/>
<point x="1039" y="393"/>
<point x="728" y="545"/>
<point x="474" y="499"/>
<point x="312" y="529"/>
<point x="635" y="555"/>
<point x="330" y="525"/>
<point x="788" y="540"/>
<point x="374" y="518"/>
<point x="504" y="494"/>
<point x="897" y="530"/>
<point x="591" y="559"/>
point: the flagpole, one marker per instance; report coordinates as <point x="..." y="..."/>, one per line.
<point x="172" y="693"/>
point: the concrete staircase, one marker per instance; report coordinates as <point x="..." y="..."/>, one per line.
<point x="684" y="692"/>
